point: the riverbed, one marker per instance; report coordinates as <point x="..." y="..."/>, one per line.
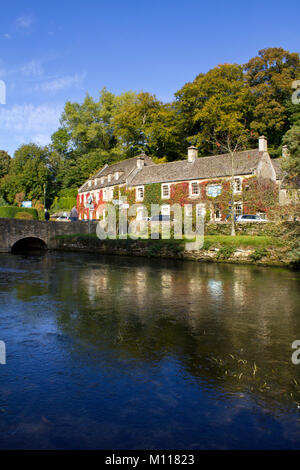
<point x="107" y="352"/>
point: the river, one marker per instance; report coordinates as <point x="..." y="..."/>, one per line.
<point x="130" y="353"/>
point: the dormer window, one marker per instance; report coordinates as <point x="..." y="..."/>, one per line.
<point x="90" y="184"/>
<point x="109" y="178"/>
<point x="95" y="181"/>
<point x="102" y="180"/>
<point x="117" y="175"/>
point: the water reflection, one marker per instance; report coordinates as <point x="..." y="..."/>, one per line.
<point x="186" y="337"/>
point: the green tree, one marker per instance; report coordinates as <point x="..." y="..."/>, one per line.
<point x="291" y="163"/>
<point x="5" y="160"/>
<point x="217" y="103"/>
<point x="31" y="168"/>
<point x="270" y="75"/>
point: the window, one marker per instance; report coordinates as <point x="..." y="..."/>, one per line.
<point x="102" y="180"/>
<point x="238" y="209"/>
<point x="165" y="209"/>
<point x="90" y="183"/>
<point x="140" y="193"/>
<point x="117" y="175"/>
<point x="194" y="188"/>
<point x="237" y="185"/>
<point x="108" y="178"/>
<point x="217" y="214"/>
<point x="95" y="181"/>
<point x="165" y="191"/>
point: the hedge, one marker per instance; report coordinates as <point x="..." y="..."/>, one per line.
<point x="10" y="212"/>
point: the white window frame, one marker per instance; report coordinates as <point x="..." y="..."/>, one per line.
<point x="90" y="183"/>
<point x="109" y="178"/>
<point x="102" y="180"/>
<point x="239" y="180"/>
<point x="117" y="175"/>
<point x="162" y="191"/>
<point x="191" y="189"/>
<point x="218" y="218"/>
<point x="137" y="196"/>
<point x="163" y="207"/>
<point x="235" y="206"/>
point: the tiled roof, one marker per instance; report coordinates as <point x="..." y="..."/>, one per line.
<point x="204" y="167"/>
<point x="124" y="167"/>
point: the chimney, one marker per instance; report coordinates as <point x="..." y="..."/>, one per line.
<point x="262" y="144"/>
<point x="140" y="162"/>
<point x="192" y="154"/>
<point x="285" y="151"/>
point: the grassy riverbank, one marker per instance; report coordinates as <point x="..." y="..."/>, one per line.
<point x="241" y="249"/>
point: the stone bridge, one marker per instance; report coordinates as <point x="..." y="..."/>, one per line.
<point x="38" y="234"/>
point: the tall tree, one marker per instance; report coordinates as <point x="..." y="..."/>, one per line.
<point x="5" y="160"/>
<point x="218" y="102"/>
<point x="31" y="168"/>
<point x="291" y="162"/>
<point x="270" y="75"/>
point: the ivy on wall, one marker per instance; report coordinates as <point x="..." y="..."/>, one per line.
<point x="256" y="195"/>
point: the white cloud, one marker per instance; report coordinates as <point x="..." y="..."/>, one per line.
<point x="24" y="22"/>
<point x="61" y="83"/>
<point x="27" y="123"/>
<point x="29" y="117"/>
<point x="33" y="68"/>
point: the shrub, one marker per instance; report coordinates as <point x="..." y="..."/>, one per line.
<point x="24" y="215"/>
<point x="258" y="254"/>
<point x="10" y="212"/>
<point x="225" y="252"/>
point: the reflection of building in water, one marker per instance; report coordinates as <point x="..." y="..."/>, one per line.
<point x="95" y="282"/>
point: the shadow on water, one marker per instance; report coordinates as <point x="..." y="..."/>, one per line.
<point x="29" y="246"/>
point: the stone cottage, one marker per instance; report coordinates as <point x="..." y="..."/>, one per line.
<point x="195" y="182"/>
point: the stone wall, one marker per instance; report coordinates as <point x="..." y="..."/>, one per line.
<point x="13" y="230"/>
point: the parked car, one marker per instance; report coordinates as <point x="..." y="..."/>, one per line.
<point x="160" y="218"/>
<point x="63" y="218"/>
<point x="251" y="218"/>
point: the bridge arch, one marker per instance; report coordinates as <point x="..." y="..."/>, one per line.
<point x="28" y="243"/>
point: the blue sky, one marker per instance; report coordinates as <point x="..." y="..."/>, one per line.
<point x="55" y="51"/>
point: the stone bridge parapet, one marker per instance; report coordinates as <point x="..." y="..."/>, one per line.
<point x="13" y="230"/>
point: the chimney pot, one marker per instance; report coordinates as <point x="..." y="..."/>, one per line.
<point x="262" y="144"/>
<point x="140" y="162"/>
<point x="285" y="151"/>
<point x="192" y="154"/>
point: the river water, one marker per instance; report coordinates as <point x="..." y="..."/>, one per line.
<point x="126" y="353"/>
